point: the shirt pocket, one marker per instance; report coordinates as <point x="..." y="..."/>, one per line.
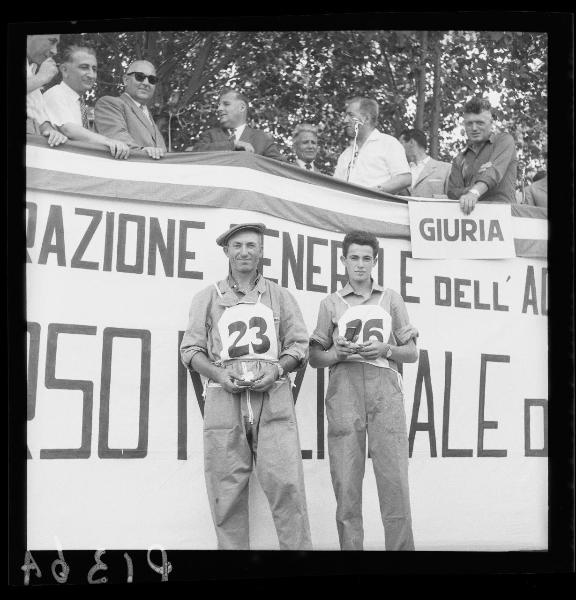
<point x="437" y="185"/>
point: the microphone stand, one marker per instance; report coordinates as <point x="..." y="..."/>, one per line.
<point x="354" y="149"/>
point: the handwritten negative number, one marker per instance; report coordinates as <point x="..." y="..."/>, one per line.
<point x="260" y="347"/>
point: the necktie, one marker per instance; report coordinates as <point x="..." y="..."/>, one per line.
<point x="84" y="113"/>
<point x="232" y="134"/>
<point x="308" y="166"/>
<point x="146" y="112"/>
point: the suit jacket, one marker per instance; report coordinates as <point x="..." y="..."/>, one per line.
<point x="217" y="138"/>
<point x="117" y="117"/>
<point x="433" y="179"/>
<point x="537" y="193"/>
<point x="312" y="170"/>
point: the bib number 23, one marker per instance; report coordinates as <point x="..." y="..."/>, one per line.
<point x="260" y="345"/>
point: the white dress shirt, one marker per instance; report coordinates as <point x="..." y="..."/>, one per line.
<point x="238" y="131"/>
<point x="380" y="157"/>
<point x="143" y="108"/>
<point x="35" y="105"/>
<point x="63" y="105"/>
<point x="302" y="163"/>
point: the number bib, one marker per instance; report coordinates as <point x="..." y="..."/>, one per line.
<point x="247" y="332"/>
<point x="371" y="321"/>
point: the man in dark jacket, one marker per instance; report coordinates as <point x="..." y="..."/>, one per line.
<point x="486" y="168"/>
<point x="234" y="133"/>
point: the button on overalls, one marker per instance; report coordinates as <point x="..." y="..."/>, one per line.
<point x="253" y="428"/>
<point x="365" y="397"/>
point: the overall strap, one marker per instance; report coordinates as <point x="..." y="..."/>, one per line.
<point x="382" y="294"/>
<point x="341" y="298"/>
<point x="218" y="290"/>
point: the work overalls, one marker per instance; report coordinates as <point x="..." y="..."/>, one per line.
<point x="253" y="427"/>
<point x="366" y="397"/>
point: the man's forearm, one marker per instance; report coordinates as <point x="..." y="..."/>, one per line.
<point x="81" y="134"/>
<point x="408" y="353"/>
<point x="320" y="358"/>
<point x="396" y="183"/>
<point x="202" y="364"/>
<point x="479" y="187"/>
<point x="288" y="363"/>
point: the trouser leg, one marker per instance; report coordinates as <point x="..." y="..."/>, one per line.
<point x="345" y="411"/>
<point x="279" y="466"/>
<point x="227" y="467"/>
<point x="388" y="446"/>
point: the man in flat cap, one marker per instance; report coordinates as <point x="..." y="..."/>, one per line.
<point x="244" y="335"/>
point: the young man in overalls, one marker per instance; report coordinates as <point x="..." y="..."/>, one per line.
<point x="363" y="333"/>
<point x="245" y="334"/>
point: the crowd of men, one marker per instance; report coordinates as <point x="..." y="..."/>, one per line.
<point x="485" y="169"/>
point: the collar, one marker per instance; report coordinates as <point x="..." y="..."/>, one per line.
<point x="238" y="130"/>
<point x="227" y="288"/>
<point x="68" y="90"/>
<point x="138" y="104"/>
<point x="420" y="162"/>
<point x="489" y="140"/>
<point x="31" y="68"/>
<point x="302" y="163"/>
<point x="374" y="135"/>
<point x="348" y="289"/>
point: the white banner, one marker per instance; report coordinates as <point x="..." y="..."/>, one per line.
<point x="442" y="230"/>
<point x="115" y="421"/>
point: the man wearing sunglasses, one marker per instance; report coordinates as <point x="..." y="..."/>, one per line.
<point x="127" y="117"/>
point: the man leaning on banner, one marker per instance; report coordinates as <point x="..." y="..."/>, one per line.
<point x="65" y="101"/>
<point x="373" y="159"/>
<point x="40" y="71"/>
<point x="234" y="132"/>
<point x="429" y="176"/>
<point x="486" y="168"/>
<point x="305" y="144"/>
<point x="127" y="118"/>
<point x="244" y="335"/>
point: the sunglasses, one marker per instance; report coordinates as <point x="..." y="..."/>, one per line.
<point x="142" y="77"/>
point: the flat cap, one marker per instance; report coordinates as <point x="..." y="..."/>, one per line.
<point x="222" y="239"/>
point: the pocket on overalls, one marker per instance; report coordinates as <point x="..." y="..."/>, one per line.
<point x="220" y="409"/>
<point x="395" y="418"/>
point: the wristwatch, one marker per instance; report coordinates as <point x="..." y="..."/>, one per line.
<point x="389" y="352"/>
<point x="474" y="191"/>
<point x="280" y="370"/>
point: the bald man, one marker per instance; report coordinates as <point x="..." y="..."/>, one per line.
<point x="127" y="118"/>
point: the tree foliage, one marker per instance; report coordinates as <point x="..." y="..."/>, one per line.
<point x="419" y="78"/>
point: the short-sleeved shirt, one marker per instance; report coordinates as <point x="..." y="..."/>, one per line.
<point x="63" y="105"/>
<point x="500" y="177"/>
<point x="332" y="308"/>
<point x="380" y="157"/>
<point x="208" y="306"/>
<point x="35" y="105"/>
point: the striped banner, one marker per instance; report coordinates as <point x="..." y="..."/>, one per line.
<point x="245" y="181"/>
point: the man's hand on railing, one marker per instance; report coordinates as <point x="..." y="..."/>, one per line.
<point x="118" y="149"/>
